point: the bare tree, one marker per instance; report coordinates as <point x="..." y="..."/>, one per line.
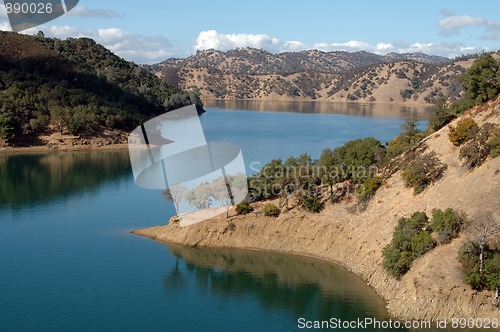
<point x="175" y="193"/>
<point x="483" y="229"/>
<point x="222" y="192"/>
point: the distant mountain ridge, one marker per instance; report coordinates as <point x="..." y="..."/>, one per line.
<point x="259" y="62"/>
<point x="248" y="73"/>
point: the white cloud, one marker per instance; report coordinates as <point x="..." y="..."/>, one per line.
<point x="384" y="47"/>
<point x="223" y="42"/>
<point x="4" y="20"/>
<point x="350" y="46"/>
<point x="130" y="46"/>
<point x="454" y="23"/>
<point x="89" y="13"/>
<point x="492" y="31"/>
<point x="451" y="25"/>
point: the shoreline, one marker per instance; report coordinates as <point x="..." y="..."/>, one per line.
<point x="61" y="148"/>
<point x="303" y="235"/>
<point x="323" y="101"/>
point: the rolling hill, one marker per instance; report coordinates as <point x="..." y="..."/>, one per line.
<point x="76" y="87"/>
<point x="314" y="75"/>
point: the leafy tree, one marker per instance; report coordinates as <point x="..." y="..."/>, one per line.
<point x="244" y="208"/>
<point x="58" y="116"/>
<point x="396" y="262"/>
<point x="422" y="172"/>
<point x="410" y="240"/>
<point x="265" y="184"/>
<point x="422" y="243"/>
<point x="492" y="273"/>
<point x="494" y="143"/>
<point x="441" y="115"/>
<point x="447" y="224"/>
<point x="368" y="188"/>
<point x="357" y="156"/>
<point x="465" y="130"/>
<point x="271" y="210"/>
<point x="329" y="169"/>
<point x="475" y="151"/>
<point x="482" y="80"/>
<point x="312" y="202"/>
<point x="201" y="196"/>
<point x="404" y="141"/>
<point x="175" y="193"/>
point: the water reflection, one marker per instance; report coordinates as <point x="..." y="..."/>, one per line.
<point x="32" y="178"/>
<point x="395" y="110"/>
<point x="307" y="287"/>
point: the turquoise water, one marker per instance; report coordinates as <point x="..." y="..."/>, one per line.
<point x="68" y="263"/>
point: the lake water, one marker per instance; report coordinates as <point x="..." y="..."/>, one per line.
<point x="270" y="130"/>
<point x="68" y="263"/>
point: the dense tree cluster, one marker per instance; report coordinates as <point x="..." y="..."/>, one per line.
<point x="480" y="254"/>
<point x="75" y="85"/>
<point x="422" y="171"/>
<point x="416" y="235"/>
<point x="481" y="83"/>
<point x="357" y="161"/>
<point x="411" y="239"/>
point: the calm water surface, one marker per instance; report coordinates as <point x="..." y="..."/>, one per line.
<point x="68" y="263"/>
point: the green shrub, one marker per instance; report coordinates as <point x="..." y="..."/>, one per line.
<point x="481" y="81"/>
<point x="468" y="256"/>
<point x="446" y="224"/>
<point x="368" y="188"/>
<point x="494" y="143"/>
<point x="243" y="208"/>
<point x="474" y="278"/>
<point x="492" y="272"/>
<point x="476" y="151"/>
<point x="421" y="243"/>
<point x="313" y="203"/>
<point x="271" y="210"/>
<point x="465" y="130"/>
<point x="410" y="240"/>
<point x="474" y="154"/>
<point x="356" y="156"/>
<point x="396" y="262"/>
<point x="441" y="115"/>
<point x="404" y="141"/>
<point x="423" y="171"/>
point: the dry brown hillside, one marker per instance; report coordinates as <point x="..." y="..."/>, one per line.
<point x="432" y="289"/>
<point x="314" y="75"/>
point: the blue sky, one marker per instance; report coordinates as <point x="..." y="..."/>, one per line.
<point x="151" y="31"/>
